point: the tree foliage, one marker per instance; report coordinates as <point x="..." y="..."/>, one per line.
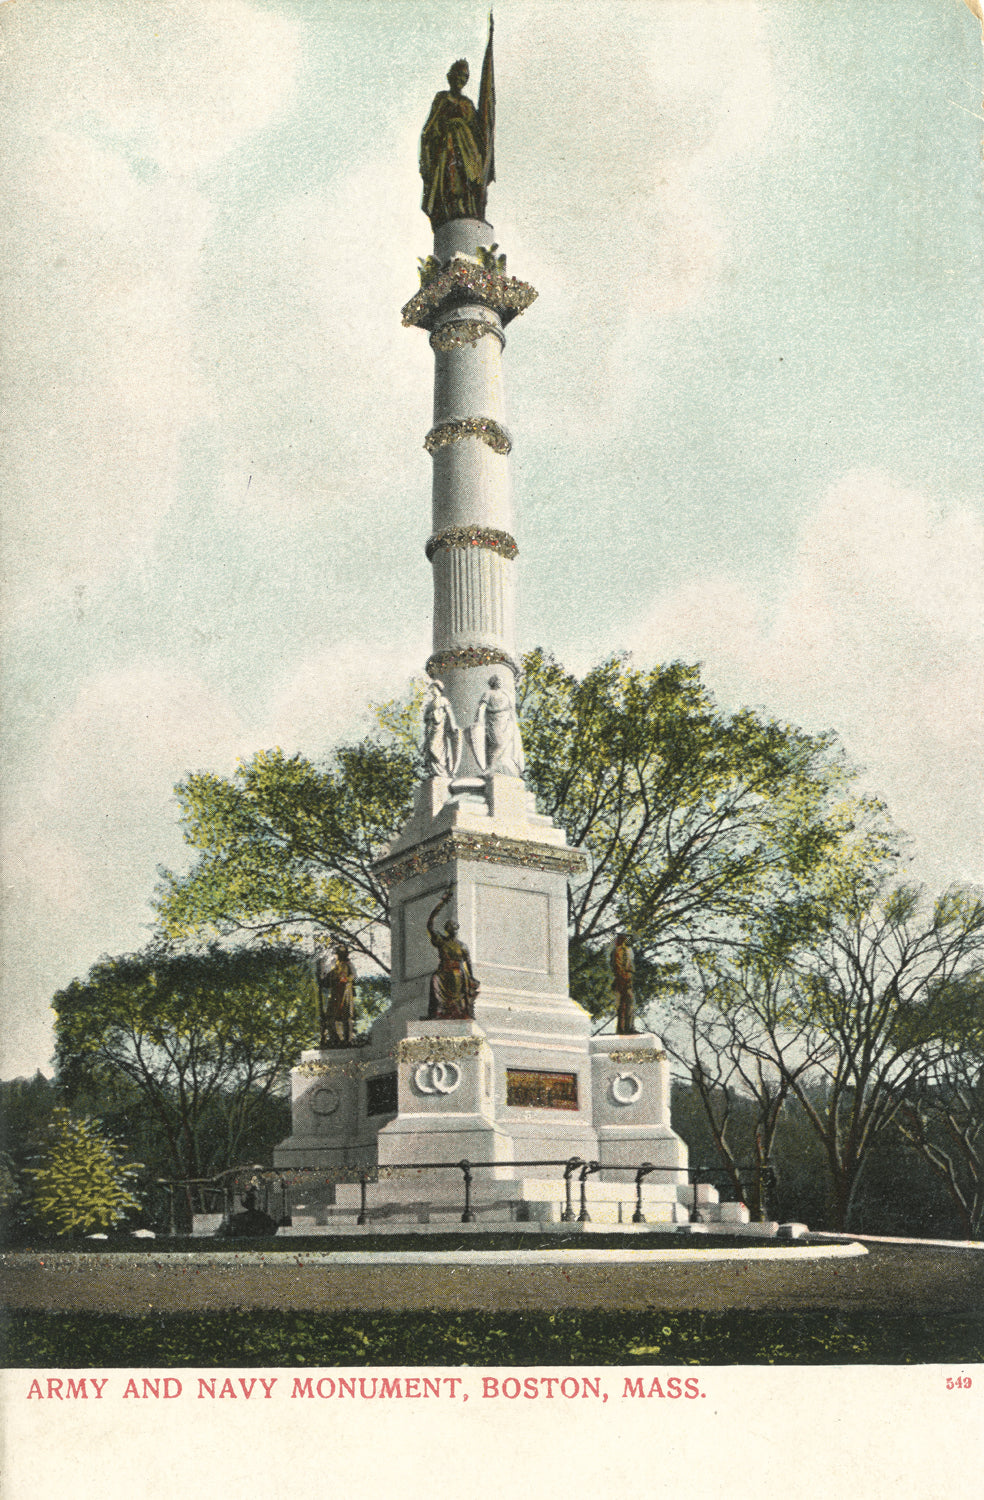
<point x="699" y="824"/>
<point x="847" y="1020"/>
<point x="26" y="1106"/>
<point x="695" y="822"/>
<point x="286" y="845"/>
<point x="941" y="1112"/>
<point x="205" y="1038"/>
<point x="81" y="1185"/>
<point x="741" y="1091"/>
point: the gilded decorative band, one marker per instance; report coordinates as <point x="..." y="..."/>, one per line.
<point x="473" y="536"/>
<point x="465" y="427"/>
<point x="420" y="1049"/>
<point x="462" y="281"/>
<point x="637" y="1055"/>
<point x="481" y="848"/>
<point x="462" y="331"/>
<point x="471" y="656"/>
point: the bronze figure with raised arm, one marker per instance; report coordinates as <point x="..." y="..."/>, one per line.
<point x="453" y="987"/>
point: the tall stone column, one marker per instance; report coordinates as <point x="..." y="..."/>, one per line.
<point x="465" y="301"/>
<point x="503" y="1073"/>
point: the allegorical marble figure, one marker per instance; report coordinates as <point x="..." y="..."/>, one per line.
<point x="442" y="737"/>
<point x="494" y="736"/>
<point x="453" y="987"/>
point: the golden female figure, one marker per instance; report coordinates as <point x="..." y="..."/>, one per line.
<point x="456" y="147"/>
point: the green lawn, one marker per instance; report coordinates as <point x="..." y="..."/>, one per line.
<point x="264" y="1338"/>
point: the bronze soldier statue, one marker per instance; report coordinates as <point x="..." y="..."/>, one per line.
<point x="336" y="998"/>
<point x="623" y="976"/>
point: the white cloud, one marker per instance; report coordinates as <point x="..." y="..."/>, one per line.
<point x="663" y="108"/>
<point x="127" y="331"/>
<point x="711" y="70"/>
<point x="180" y="91"/>
<point x="674" y="99"/>
<point x="321" y="394"/>
<point x="879" y="634"/>
<point x="323" y="701"/>
<point x="104" y="229"/>
<point x="79" y="858"/>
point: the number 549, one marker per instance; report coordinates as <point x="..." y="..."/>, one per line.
<point x="958" y="1382"/>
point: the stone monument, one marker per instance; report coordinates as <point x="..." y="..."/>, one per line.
<point x="482" y="1054"/>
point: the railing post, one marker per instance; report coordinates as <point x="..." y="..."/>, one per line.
<point x="467" y="1217"/>
<point x="567" y="1217"/>
<point x="589" y="1166"/>
<point x="695" y="1211"/>
<point x="363" y="1179"/>
<point x="639" y="1217"/>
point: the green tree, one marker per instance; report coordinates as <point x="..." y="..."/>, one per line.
<point x="285" y="845"/>
<point x="941" y="1110"/>
<point x="81" y="1185"/>
<point x="742" y="1093"/>
<point x="205" y="1039"/>
<point x="26" y="1106"/>
<point x="699" y="825"/>
<point x="694" y="821"/>
<point x="846" y="1019"/>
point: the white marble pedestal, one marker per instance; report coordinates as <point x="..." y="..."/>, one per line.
<point x="518" y="1090"/>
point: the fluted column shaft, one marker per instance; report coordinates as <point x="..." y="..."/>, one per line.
<point x="472" y="547"/>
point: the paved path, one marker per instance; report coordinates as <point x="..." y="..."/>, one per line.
<point x="917" y="1279"/>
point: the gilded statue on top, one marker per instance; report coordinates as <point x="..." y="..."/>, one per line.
<point x="457" y="160"/>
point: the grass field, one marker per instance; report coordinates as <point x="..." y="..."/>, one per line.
<point x="253" y="1306"/>
<point x="319" y="1340"/>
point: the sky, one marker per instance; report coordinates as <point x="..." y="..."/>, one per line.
<point x="746" y="407"/>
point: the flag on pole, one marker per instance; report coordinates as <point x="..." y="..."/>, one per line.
<point x="486" y="108"/>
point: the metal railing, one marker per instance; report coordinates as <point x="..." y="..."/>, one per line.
<point x="222" y="1187"/>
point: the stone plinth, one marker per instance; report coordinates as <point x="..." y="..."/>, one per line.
<point x="445" y="1099"/>
<point x="406" y="1196"/>
<point x="338" y="1100"/>
<point x="523" y="1081"/>
<point x="631" y="1102"/>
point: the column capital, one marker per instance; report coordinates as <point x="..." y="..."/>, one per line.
<point x="463" y="280"/>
